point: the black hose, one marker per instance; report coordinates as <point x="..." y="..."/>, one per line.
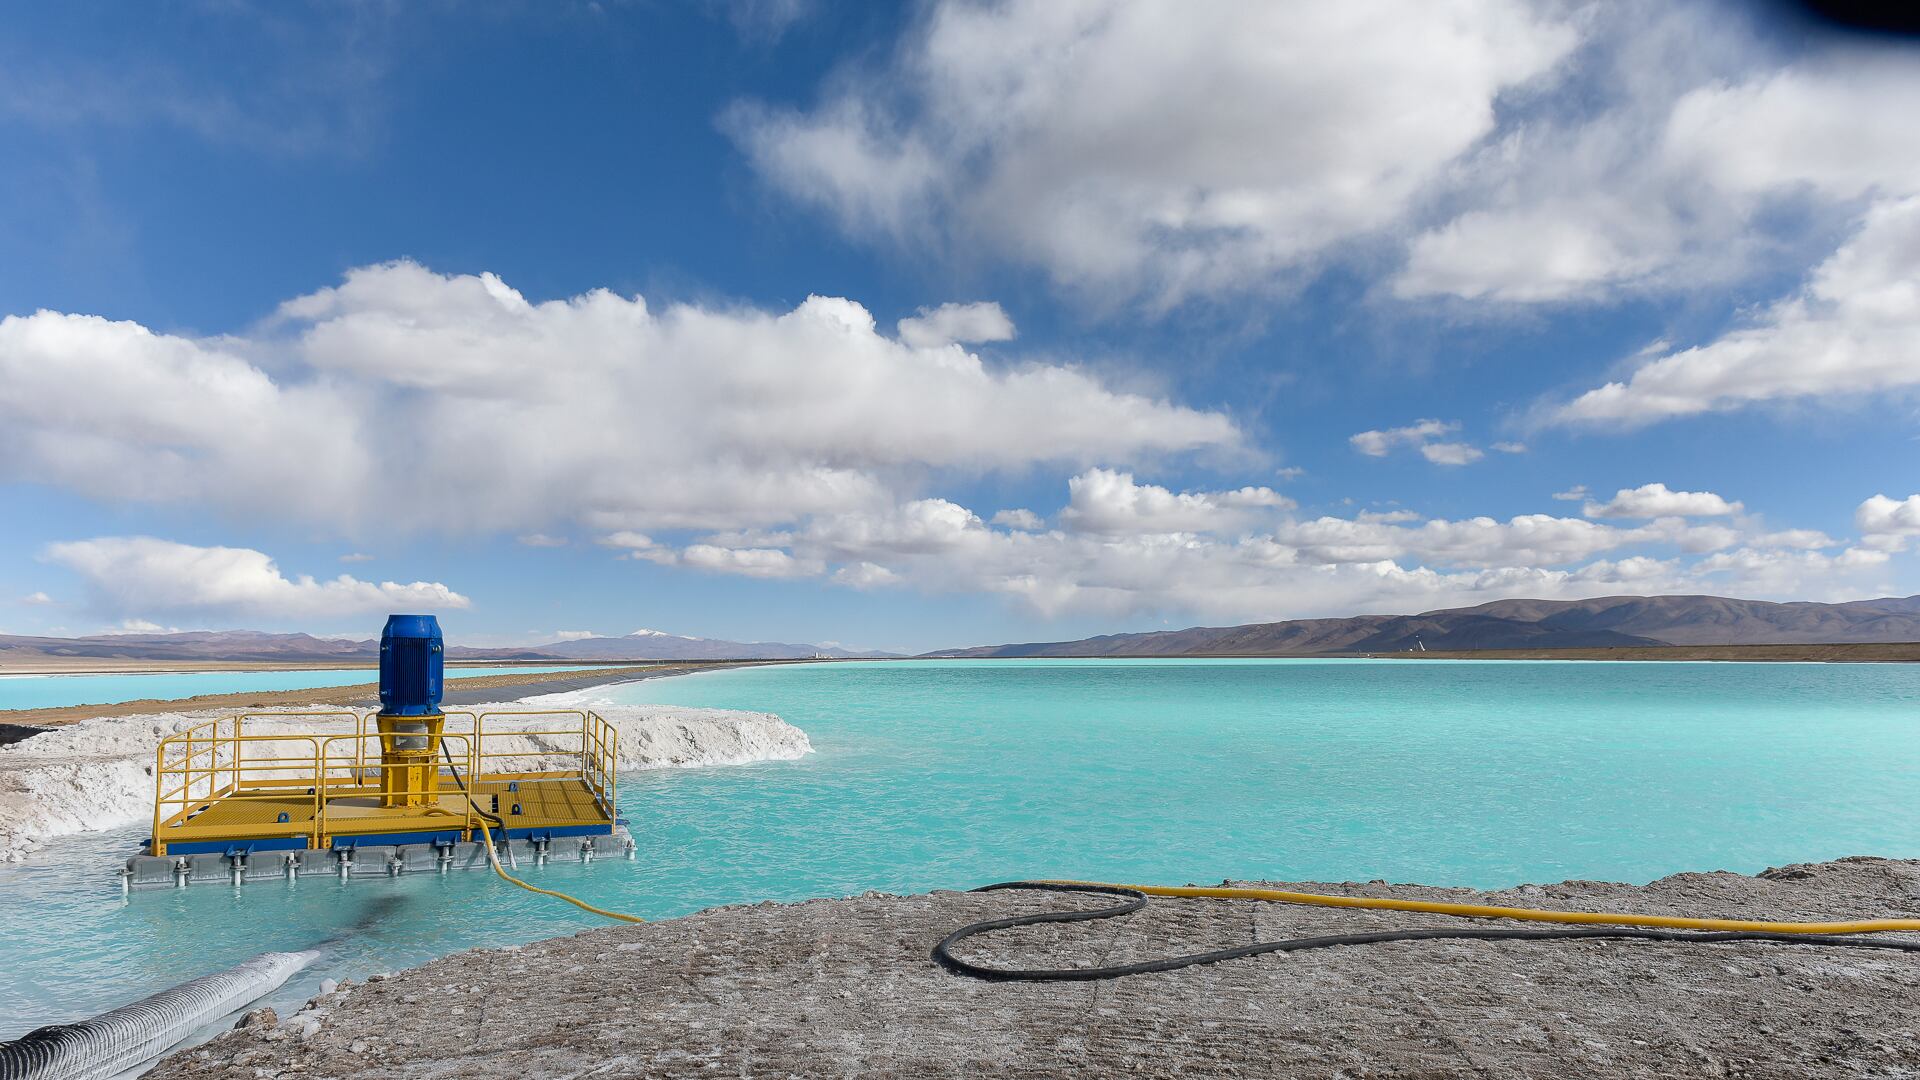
<point x="457" y="782"/>
<point x="1135" y="901"/>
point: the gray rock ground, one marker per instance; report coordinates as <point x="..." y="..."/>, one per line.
<point x="845" y="988"/>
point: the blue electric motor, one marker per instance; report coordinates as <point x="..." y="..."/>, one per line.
<point x="412" y="666"/>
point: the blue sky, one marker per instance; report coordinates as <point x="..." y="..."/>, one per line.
<point x="1257" y="312"/>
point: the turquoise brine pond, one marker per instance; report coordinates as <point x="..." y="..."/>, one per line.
<point x="953" y="774"/>
<point x="59" y="691"/>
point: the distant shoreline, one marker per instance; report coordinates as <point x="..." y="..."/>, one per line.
<point x="1889" y="653"/>
<point x="107" y="665"/>
<point x="459" y="691"/>
<point x="1873" y="653"/>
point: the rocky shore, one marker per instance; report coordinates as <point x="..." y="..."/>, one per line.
<point x="845" y="988"/>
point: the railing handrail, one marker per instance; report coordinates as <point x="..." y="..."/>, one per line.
<point x="323" y="766"/>
<point x="186" y="795"/>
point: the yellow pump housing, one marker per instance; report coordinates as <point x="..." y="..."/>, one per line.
<point x="410" y="759"/>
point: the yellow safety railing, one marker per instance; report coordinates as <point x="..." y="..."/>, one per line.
<point x="323" y="775"/>
<point x="343" y="771"/>
<point x="242" y="740"/>
<point x="602" y="754"/>
<point x="221" y="761"/>
<point x="593" y="743"/>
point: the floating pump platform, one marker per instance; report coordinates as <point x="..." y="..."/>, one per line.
<point x="281" y="795"/>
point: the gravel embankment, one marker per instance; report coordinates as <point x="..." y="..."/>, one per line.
<point x="845" y="988"/>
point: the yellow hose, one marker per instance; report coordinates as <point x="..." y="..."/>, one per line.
<point x="1382" y="903"/>
<point x="1488" y="911"/>
<point x="575" y="901"/>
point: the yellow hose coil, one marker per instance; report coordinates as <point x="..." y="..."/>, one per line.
<point x="1488" y="911"/>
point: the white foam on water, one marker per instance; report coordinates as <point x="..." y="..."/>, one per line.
<point x="98" y="774"/>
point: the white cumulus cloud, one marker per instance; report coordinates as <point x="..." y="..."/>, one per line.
<point x="751" y="562"/>
<point x="138" y="626"/>
<point x="1020" y="518"/>
<point x="1852" y="330"/>
<point x="407" y="399"/>
<point x="1676" y="134"/>
<point x="1106" y="501"/>
<point x="1157" y="149"/>
<point x="864" y="575"/>
<point x="1795" y="539"/>
<point x="1451" y="453"/>
<point x="1381" y="443"/>
<point x="144" y="574"/>
<point x="1657" y="500"/>
<point x="757" y="562"/>
<point x="1888" y="524"/>
<point x="949" y="324"/>
<point x="1125" y="548"/>
<point x="1424" y="436"/>
<point x="1679" y="151"/>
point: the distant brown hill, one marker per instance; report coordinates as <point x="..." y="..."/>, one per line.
<point x="256" y="646"/>
<point x="655" y="645"/>
<point x="235" y="645"/>
<point x="1605" y="622"/>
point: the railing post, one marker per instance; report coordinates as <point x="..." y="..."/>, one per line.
<point x="159" y="774"/>
<point x="473" y="746"/>
<point x="319" y="793"/>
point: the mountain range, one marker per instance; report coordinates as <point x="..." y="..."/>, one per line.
<point x="253" y="645"/>
<point x="656" y="645"/>
<point x="1605" y="622"/>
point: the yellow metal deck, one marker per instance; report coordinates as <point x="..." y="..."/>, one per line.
<point x="216" y="784"/>
<point x="549" y="802"/>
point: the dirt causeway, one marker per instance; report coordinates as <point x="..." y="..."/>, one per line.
<point x="472" y="690"/>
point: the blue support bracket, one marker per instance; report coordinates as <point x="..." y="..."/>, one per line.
<point x="348" y="843"/>
<point x="227" y="847"/>
<point x="560" y="830"/>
